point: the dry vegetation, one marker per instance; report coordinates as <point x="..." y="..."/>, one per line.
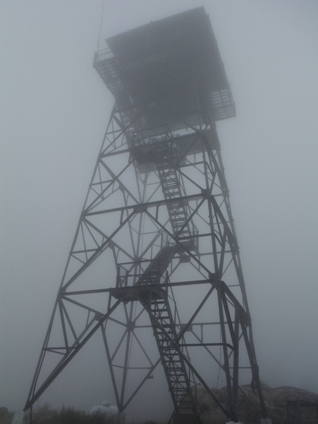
<point x="6" y="418"/>
<point x="47" y="415"/>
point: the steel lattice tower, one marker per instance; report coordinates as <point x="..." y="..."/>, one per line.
<point x="155" y="255"/>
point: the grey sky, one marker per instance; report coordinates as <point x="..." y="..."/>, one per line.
<point x="54" y="110"/>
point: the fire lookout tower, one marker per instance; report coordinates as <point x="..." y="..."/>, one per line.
<point x="155" y="256"/>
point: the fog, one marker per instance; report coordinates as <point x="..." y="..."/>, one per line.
<point x="54" y="111"/>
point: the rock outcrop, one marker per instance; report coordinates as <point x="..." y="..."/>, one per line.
<point x="275" y="400"/>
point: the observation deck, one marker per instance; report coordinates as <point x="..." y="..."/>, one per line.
<point x="170" y="69"/>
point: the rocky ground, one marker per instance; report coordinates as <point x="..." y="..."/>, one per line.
<point x="275" y="400"/>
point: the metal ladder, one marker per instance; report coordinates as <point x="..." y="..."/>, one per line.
<point x="172" y="362"/>
<point x="171" y="184"/>
<point x="157" y="266"/>
<point x="157" y="304"/>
